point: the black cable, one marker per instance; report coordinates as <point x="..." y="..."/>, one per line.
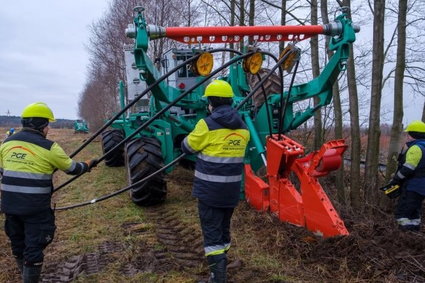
<point x="105" y="197"/>
<point x="137" y="98"/>
<point x="153" y="118"/>
<point x="263" y="80"/>
<point x="285" y="103"/>
<point x="269" y="120"/>
<point x="159" y="113"/>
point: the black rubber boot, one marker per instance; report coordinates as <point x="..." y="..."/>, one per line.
<point x="20" y="264"/>
<point x="31" y="274"/>
<point x="218" y="264"/>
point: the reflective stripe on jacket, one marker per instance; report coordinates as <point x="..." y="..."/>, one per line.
<point x="220" y="141"/>
<point x="27" y="162"/>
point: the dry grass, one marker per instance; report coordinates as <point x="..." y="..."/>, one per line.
<point x="270" y="251"/>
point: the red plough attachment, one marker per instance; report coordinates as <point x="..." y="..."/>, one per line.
<point x="309" y="206"/>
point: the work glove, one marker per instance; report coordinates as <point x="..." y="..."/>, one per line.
<point x="91" y="163"/>
<point x="392" y="190"/>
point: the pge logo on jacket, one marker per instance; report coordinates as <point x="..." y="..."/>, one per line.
<point x="18" y="155"/>
<point x="235" y="141"/>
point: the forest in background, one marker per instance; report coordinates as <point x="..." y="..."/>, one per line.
<point x="15" y="122"/>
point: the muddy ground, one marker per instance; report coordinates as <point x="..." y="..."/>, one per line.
<point x="164" y="244"/>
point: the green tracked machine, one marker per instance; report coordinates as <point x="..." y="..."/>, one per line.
<point x="166" y="103"/>
<point x="80" y="126"/>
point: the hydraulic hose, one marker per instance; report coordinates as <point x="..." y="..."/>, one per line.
<point x="137" y="98"/>
<point x="105" y="197"/>
<point x="269" y="120"/>
<point x="151" y="120"/>
<point x="159" y="113"/>
<point x="285" y="103"/>
<point x="140" y="128"/>
<point x="116" y="116"/>
<point x="282" y="109"/>
<point x="281" y="60"/>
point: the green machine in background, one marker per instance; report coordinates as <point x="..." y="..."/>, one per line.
<point x="80" y="126"/>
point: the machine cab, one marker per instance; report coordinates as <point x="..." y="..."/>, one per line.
<point x="184" y="78"/>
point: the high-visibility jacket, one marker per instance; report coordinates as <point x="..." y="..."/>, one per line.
<point x="27" y="163"/>
<point x="220" y="141"/>
<point x="412" y="170"/>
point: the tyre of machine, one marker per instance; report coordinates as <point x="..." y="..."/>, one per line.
<point x="143" y="157"/>
<point x="272" y="85"/>
<point x="109" y="140"/>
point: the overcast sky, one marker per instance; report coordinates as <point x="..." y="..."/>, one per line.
<point x="43" y="55"/>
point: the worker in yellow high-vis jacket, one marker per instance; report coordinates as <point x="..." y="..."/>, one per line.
<point x="27" y="162"/>
<point x="220" y="141"/>
<point x="411" y="177"/>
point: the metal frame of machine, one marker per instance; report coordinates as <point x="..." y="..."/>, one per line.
<point x="175" y="105"/>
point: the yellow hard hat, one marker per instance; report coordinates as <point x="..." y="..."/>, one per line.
<point x="38" y="109"/>
<point x="219" y="88"/>
<point x="416" y="126"/>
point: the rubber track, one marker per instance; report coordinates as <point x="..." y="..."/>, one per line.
<point x="88" y="263"/>
<point x="183" y="246"/>
<point x="109" y="140"/>
<point x="178" y="247"/>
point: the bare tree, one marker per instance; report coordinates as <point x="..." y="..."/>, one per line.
<point x="397" y="127"/>
<point x="282" y="22"/>
<point x="423" y="114"/>
<point x="374" y="133"/>
<point x="354" y="127"/>
<point x="314" y="45"/>
<point x="106" y="50"/>
<point x="339" y="182"/>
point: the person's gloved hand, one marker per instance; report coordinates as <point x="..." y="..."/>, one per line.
<point x="91" y="163"/>
<point x="392" y="190"/>
<point x="394" y="182"/>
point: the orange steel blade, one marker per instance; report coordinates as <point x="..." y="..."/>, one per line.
<point x="308" y="205"/>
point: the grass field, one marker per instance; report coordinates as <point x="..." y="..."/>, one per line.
<point x="117" y="241"/>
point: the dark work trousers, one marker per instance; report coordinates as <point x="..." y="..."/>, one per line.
<point x="30" y="235"/>
<point x="215" y="224"/>
<point x="409" y="205"/>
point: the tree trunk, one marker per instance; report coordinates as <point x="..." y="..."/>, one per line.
<point x="423" y="113"/>
<point x="282" y="23"/>
<point x="242" y="19"/>
<point x="355" y="146"/>
<point x="339" y="181"/>
<point x="397" y="127"/>
<point x="242" y="13"/>
<point x="251" y="16"/>
<point x="372" y="152"/>
<point x="314" y="44"/>
<point x="232" y="23"/>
